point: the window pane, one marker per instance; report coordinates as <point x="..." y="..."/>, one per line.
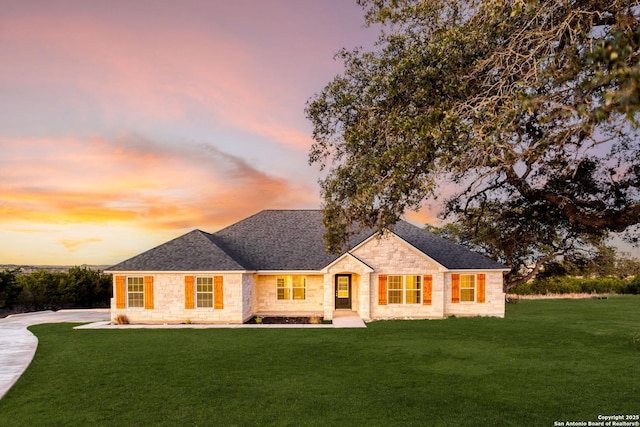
<point x="394" y="282"/>
<point x="135" y="292"/>
<point x="467" y="295"/>
<point x="136" y="299"/>
<point x="204" y="300"/>
<point x="413" y="297"/>
<point x="413" y="282"/>
<point x="281" y="288"/>
<point x="467" y="281"/>
<point x="204" y="292"/>
<point x="395" y="297"/>
<point x="467" y="287"/>
<point x="343" y="287"/>
<point x="283" y="293"/>
<point x="298" y="293"/>
<point x="204" y="288"/>
<point x="299" y="284"/>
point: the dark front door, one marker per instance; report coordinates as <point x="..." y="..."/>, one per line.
<point x="343" y="291"/>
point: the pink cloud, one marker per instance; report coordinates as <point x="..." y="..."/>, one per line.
<point x="150" y="73"/>
<point x="136" y="181"/>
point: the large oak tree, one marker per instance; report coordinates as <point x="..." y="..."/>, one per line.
<point x="525" y="103"/>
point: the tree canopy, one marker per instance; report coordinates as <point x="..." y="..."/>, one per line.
<point x="522" y="106"/>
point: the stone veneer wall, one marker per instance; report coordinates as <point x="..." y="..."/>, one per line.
<point x="249" y="302"/>
<point x="169" y="299"/>
<point x="267" y="301"/>
<point x="392" y="256"/>
<point x="494" y="298"/>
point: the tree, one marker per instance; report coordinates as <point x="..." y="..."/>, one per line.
<point x="9" y="289"/>
<point x="524" y="236"/>
<point x="532" y="102"/>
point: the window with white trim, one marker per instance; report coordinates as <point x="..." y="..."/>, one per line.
<point x="291" y="287"/>
<point x="467" y="288"/>
<point x="204" y="292"/>
<point x="404" y="289"/>
<point x="135" y="292"/>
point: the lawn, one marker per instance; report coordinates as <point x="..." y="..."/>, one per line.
<point x="547" y="361"/>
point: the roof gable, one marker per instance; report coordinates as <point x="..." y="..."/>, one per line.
<point x="194" y="251"/>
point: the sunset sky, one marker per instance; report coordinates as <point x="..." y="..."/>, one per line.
<point x="126" y="123"/>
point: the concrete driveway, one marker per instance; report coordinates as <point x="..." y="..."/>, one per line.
<point x="18" y="345"/>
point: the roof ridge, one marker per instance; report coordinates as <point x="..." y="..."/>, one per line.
<point x="214" y="240"/>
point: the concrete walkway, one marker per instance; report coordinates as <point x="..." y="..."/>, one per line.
<point x="341" y="319"/>
<point x="18" y="345"/>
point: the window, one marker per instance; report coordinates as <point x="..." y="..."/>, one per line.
<point x="467" y="287"/>
<point x="404" y="289"/>
<point x="394" y="286"/>
<point x="412" y="288"/>
<point x="291" y="287"/>
<point x="204" y="292"/>
<point x="135" y="292"/>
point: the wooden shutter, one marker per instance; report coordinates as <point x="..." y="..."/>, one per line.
<point x="120" y="292"/>
<point x="148" y="292"/>
<point x="189" y="301"/>
<point x="427" y="282"/>
<point x="455" y="288"/>
<point x="481" y="287"/>
<point x="218" y="292"/>
<point x="382" y="289"/>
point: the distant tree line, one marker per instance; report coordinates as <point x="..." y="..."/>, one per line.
<point x="79" y="287"/>
<point x="602" y="272"/>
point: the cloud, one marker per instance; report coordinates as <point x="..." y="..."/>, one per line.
<point x="73" y="244"/>
<point x="140" y="75"/>
<point x="136" y="181"/>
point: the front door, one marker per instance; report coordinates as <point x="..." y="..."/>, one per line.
<point x="343" y="291"/>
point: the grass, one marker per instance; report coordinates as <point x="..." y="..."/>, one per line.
<point x="552" y="360"/>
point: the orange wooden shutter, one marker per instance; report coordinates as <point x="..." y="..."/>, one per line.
<point x="455" y="288"/>
<point x="148" y="292"/>
<point x="120" y="292"/>
<point x="382" y="289"/>
<point x="218" y="293"/>
<point x="427" y="282"/>
<point x="189" y="302"/>
<point x="481" y="287"/>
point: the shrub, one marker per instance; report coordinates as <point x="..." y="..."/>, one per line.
<point x="79" y="287"/>
<point x="573" y="285"/>
<point x="121" y="319"/>
<point x="633" y="287"/>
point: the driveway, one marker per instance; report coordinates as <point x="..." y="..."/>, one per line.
<point x="18" y="345"/>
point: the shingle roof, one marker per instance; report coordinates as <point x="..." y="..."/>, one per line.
<point x="194" y="251"/>
<point x="449" y="254"/>
<point x="284" y="240"/>
<point x="280" y="240"/>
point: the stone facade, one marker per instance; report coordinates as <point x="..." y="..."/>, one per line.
<point x="169" y="301"/>
<point x="494" y="298"/>
<point x="246" y="294"/>
<point x="268" y="303"/>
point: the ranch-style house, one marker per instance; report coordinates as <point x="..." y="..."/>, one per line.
<point x="275" y="263"/>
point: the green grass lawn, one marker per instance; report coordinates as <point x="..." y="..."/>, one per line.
<point x="554" y="360"/>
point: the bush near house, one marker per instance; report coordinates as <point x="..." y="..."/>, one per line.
<point x="577" y="285"/>
<point x="79" y="287"/>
